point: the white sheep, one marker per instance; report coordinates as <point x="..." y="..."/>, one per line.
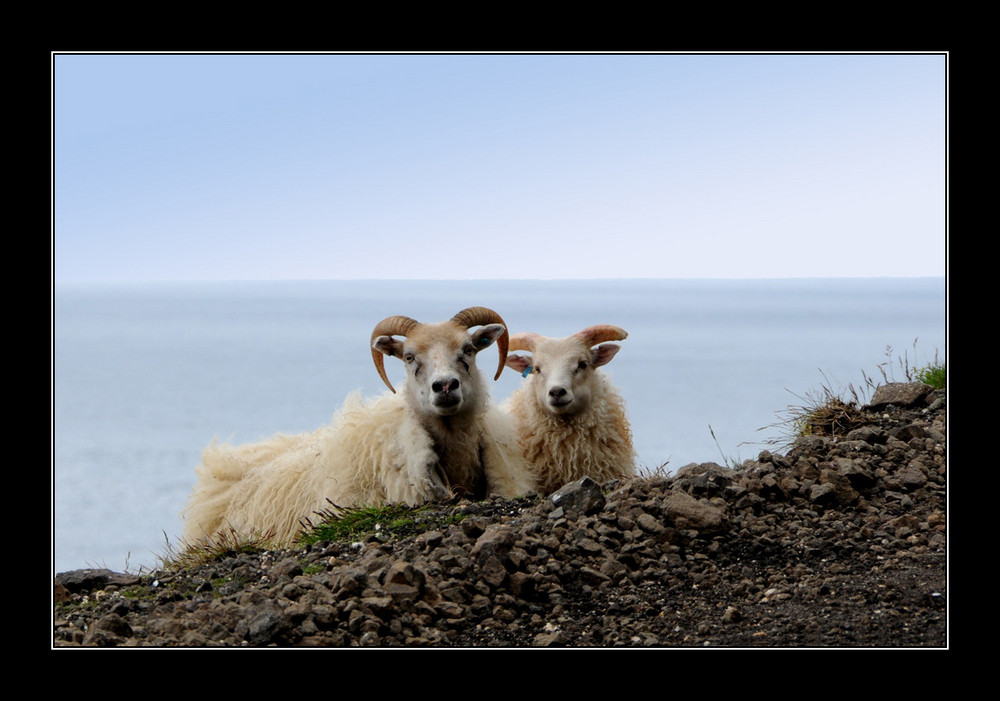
<point x="570" y="419"/>
<point x="439" y="436"/>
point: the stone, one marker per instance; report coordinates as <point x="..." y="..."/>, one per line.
<point x="496" y="541"/>
<point x="578" y="498"/>
<point x="903" y="394"/>
<point x="839" y="543"/>
<point x="687" y="512"/>
<point x="912" y="478"/>
<point x="76" y="581"/>
<point x="843" y="491"/>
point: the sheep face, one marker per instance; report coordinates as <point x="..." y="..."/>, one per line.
<point x="440" y="359"/>
<point x="561" y="371"/>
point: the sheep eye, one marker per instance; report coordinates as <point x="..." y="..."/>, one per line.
<point x="582" y="365"/>
<point x="537" y="369"/>
<point x="408" y="357"/>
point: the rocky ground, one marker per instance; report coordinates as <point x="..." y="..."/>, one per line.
<point x="840" y="542"/>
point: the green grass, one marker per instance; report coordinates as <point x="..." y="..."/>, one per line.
<point x="835" y="412"/>
<point x="934" y="375"/>
<point x="340" y="523"/>
<point x="332" y="524"/>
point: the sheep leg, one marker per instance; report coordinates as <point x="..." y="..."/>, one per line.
<point x="423" y="474"/>
<point x="435" y="480"/>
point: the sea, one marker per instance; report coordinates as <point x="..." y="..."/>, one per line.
<point x="145" y="375"/>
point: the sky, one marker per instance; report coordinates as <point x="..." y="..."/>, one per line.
<point x="469" y="166"/>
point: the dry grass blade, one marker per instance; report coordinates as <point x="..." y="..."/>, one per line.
<point x="223" y="544"/>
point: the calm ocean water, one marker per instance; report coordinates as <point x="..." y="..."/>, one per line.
<point x="145" y="375"/>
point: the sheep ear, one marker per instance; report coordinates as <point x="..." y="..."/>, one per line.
<point x="604" y="353"/>
<point x="485" y="336"/>
<point x="520" y="363"/>
<point x="388" y="346"/>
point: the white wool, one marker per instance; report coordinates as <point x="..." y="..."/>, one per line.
<point x="559" y="449"/>
<point x="373" y="453"/>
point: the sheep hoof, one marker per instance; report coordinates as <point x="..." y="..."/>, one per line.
<point x="436" y="482"/>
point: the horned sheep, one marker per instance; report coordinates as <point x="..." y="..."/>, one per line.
<point x="437" y="437"/>
<point x="571" y="420"/>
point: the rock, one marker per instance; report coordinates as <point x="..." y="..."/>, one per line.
<point x="650" y="524"/>
<point x="840" y="542"/>
<point x="61" y="593"/>
<point x="580" y="497"/>
<point x="265" y="624"/>
<point x="687" y="512"/>
<point x="841" y="489"/>
<point x="493" y="572"/>
<point x="857" y="475"/>
<point x="904" y="394"/>
<point x="912" y="478"/>
<point x="77" y="581"/>
<point x="289" y="567"/>
<point x="706" y="478"/>
<point x="547" y="640"/>
<point x="868" y="434"/>
<point x="731" y="615"/>
<point x="109" y="630"/>
<point x="495" y="541"/>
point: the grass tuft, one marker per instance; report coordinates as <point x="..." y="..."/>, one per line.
<point x="819" y="413"/>
<point x="222" y="545"/>
<point x="661" y="470"/>
<point x="832" y="417"/>
<point x="829" y="413"/>
<point x="934" y="374"/>
<point x="337" y="523"/>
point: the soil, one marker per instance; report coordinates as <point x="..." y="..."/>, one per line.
<point x="839" y="542"/>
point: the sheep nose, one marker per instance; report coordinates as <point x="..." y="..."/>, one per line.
<point x="445" y="386"/>
<point x="557" y="392"/>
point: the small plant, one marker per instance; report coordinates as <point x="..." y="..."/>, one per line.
<point x="835" y="413"/>
<point x="224" y="544"/>
<point x="661" y="470"/>
<point x="728" y="462"/>
<point x="313" y="568"/>
<point x="338" y="523"/>
<point x="821" y="413"/>
<point x="934" y="374"/>
<point x="833" y="417"/>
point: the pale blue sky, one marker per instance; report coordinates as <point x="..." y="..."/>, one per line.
<point x="180" y="167"/>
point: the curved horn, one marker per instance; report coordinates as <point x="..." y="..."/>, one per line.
<point x="592" y="335"/>
<point x="478" y="316"/>
<point x="524" y="341"/>
<point x="390" y="326"/>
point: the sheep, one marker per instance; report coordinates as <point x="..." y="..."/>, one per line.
<point x="570" y="419"/>
<point x="438" y="437"/>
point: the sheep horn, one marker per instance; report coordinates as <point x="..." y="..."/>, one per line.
<point x="390" y="326"/>
<point x="592" y="335"/>
<point x="478" y="316"/>
<point x="524" y="341"/>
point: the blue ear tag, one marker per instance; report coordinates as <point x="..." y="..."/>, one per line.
<point x="527" y="371"/>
